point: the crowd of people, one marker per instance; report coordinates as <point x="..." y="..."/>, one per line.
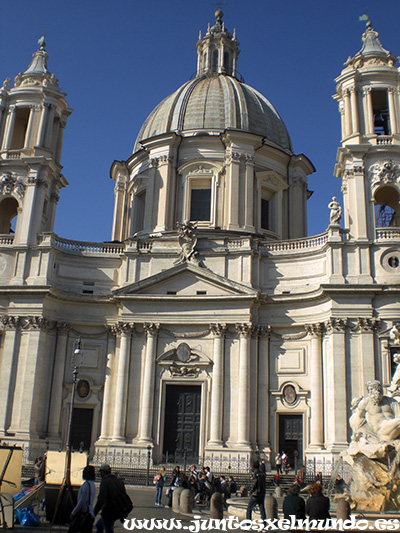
<point x="315" y="507"/>
<point x="201" y="480"/>
<point x="113" y="503"/>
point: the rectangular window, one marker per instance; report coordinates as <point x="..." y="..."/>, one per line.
<point x="140" y="202"/>
<point x="264" y="213"/>
<point x="200" y="204"/>
<point x="380" y="108"/>
<point x="20" y="127"/>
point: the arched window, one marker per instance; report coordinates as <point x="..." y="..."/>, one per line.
<point x="8" y="215"/>
<point x="387" y="214"/>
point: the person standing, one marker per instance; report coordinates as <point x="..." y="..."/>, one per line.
<point x="257" y="492"/>
<point x="82" y="515"/>
<point x="278" y="463"/>
<point x="293" y="504"/>
<point x="39" y="470"/>
<point x="317" y="506"/>
<point x="113" y="502"/>
<point x="159" y="481"/>
<point x="175" y="482"/>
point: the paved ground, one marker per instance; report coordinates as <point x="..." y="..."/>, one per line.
<point x="144" y="508"/>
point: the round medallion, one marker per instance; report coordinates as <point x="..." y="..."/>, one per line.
<point x="183" y="352"/>
<point x="390" y="261"/>
<point x="289" y="394"/>
<point x="83" y="388"/>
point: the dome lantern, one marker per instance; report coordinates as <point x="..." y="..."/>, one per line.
<point x="218" y="51"/>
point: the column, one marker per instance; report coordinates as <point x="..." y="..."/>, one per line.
<point x="125" y="330"/>
<point x="2" y="107"/>
<point x="249" y="193"/>
<point x="354" y="110"/>
<point x="367" y="327"/>
<point x="8" y="370"/>
<point x="392" y="111"/>
<point x="31" y="405"/>
<point x="316" y="386"/>
<point x="165" y="200"/>
<point x="233" y="190"/>
<point x="30" y="126"/>
<point x="244" y="331"/>
<point x="368" y="113"/>
<point x="217" y="391"/>
<point x="49" y="128"/>
<point x="347" y="113"/>
<point x="9" y="129"/>
<point x="342" y="123"/>
<point x="53" y="426"/>
<point x="60" y="140"/>
<point x="107" y="404"/>
<point x="263" y="388"/>
<point x="146" y="413"/>
<point x="42" y="126"/>
<point x="337" y="400"/>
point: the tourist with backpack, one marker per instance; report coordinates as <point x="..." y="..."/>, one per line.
<point x="113" y="502"/>
<point x="159" y="480"/>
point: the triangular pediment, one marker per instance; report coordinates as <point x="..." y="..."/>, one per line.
<point x="186" y="280"/>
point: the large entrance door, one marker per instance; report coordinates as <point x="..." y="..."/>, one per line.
<point x="291" y="438"/>
<point x="81" y="435"/>
<point x="182" y="422"/>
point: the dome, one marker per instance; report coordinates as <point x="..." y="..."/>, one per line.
<point x="216" y="102"/>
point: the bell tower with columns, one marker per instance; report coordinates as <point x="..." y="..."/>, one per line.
<point x="33" y="115"/>
<point x="368" y="162"/>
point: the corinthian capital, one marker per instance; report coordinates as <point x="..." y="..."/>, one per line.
<point x="315" y="330"/>
<point x="336" y="324"/>
<point x="244" y="330"/>
<point x="218" y="330"/>
<point x="151" y="329"/>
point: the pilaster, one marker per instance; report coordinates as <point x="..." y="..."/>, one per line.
<point x="146" y="411"/>
<point x="8" y="369"/>
<point x="335" y="361"/>
<point x="243" y="398"/>
<point x="316" y="386"/>
<point x="124" y="331"/>
<point x="217" y="390"/>
<point x="107" y="404"/>
<point x="53" y="426"/>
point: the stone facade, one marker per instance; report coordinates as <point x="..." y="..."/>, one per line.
<point x="211" y="321"/>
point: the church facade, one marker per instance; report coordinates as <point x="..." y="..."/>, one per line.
<point x="213" y="328"/>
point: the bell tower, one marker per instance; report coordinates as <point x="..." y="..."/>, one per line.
<point x="368" y="162"/>
<point x="33" y="116"/>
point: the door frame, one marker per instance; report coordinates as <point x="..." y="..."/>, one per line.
<point x="300" y="417"/>
<point x="159" y="440"/>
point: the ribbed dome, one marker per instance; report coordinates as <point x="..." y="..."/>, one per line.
<point x="214" y="103"/>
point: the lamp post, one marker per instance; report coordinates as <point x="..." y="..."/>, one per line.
<point x="76" y="363"/>
<point x="66" y="506"/>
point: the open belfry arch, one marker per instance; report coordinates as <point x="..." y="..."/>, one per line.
<point x="214" y="328"/>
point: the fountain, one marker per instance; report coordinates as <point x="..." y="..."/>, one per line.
<point x="374" y="450"/>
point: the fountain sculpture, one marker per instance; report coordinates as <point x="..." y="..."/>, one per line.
<point x="374" y="450"/>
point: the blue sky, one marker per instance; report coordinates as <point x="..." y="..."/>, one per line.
<point x="117" y="60"/>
